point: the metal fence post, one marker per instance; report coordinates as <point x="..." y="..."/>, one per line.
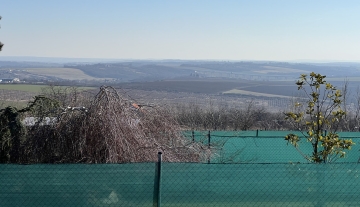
<point x="157" y="182"/>
<point x="209" y="137"/>
<point x="193" y="135"/>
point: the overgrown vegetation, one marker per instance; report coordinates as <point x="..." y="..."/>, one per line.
<point x="104" y="129"/>
<point x="69" y="125"/>
<point x="321" y="117"/>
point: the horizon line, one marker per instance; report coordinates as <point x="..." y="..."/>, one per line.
<point x="174" y="59"/>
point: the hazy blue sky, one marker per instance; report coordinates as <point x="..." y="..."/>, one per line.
<point x="183" y="29"/>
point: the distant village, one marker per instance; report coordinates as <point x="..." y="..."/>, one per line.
<point x="10" y="80"/>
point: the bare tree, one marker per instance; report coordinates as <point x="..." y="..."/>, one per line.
<point x="1" y="44"/>
<point x="68" y="96"/>
<point x="111" y="130"/>
<point x="345" y="100"/>
<point x="357" y="110"/>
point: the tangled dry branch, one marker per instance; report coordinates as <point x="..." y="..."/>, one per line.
<point x="112" y="130"/>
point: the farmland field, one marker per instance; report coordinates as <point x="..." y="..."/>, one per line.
<point x="274" y="69"/>
<point x="219" y="86"/>
<point x="250" y="93"/>
<point x="63" y="73"/>
<point x="22" y="87"/>
<point x="30" y="88"/>
<point x="232" y="86"/>
<point x="18" y="95"/>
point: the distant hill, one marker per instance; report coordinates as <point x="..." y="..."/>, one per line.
<point x="269" y="71"/>
<point x="154" y="70"/>
<point x="133" y="71"/>
<point x="16" y="64"/>
<point x="269" y="82"/>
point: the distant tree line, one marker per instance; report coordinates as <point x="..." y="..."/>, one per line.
<point x="223" y="117"/>
<point x="249" y="117"/>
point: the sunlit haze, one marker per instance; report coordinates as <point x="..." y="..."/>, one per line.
<point x="187" y="29"/>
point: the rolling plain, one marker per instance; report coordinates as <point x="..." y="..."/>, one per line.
<point x="176" y="81"/>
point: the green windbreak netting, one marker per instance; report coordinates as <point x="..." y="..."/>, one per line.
<point x="182" y="184"/>
<point x="260" y="185"/>
<point x="263" y="146"/>
<point x="77" y="185"/>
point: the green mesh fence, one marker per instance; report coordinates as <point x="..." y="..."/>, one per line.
<point x="268" y="172"/>
<point x="263" y="146"/>
<point x="182" y="184"/>
<point x="260" y="185"/>
<point x="77" y="185"/>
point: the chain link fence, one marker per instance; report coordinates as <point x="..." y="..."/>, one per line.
<point x="247" y="170"/>
<point x="263" y="146"/>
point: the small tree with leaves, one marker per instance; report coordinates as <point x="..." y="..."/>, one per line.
<point x="320" y="116"/>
